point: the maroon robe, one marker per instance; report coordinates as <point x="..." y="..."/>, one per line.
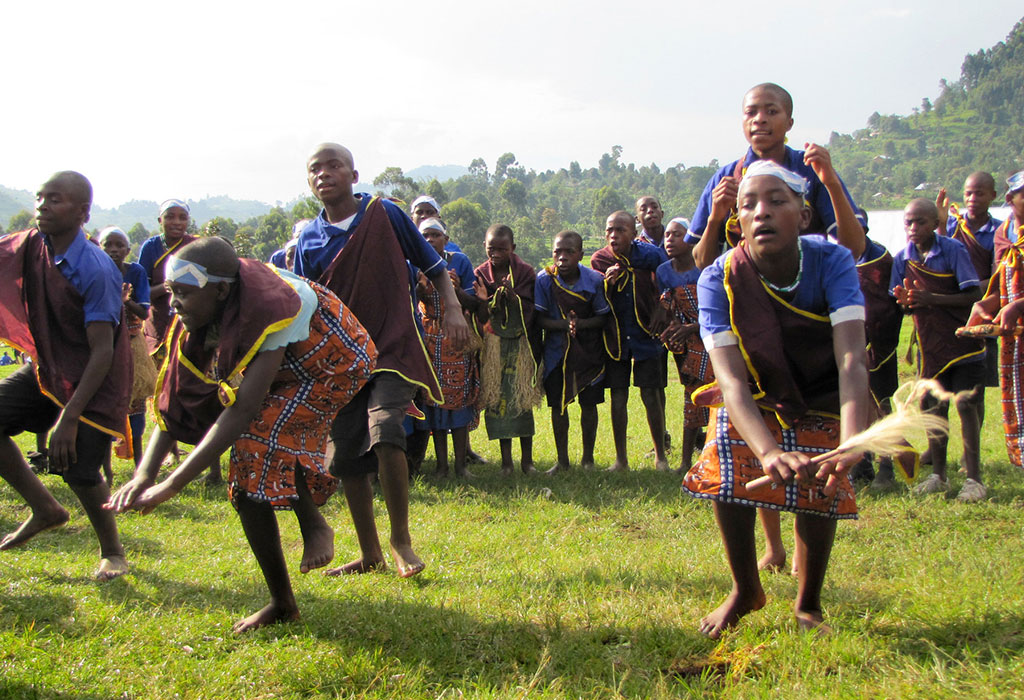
<point x="584" y="357"/>
<point x="788" y="379"/>
<point x="936" y="325"/>
<point x="882" y="314"/>
<point x="981" y="257"/>
<point x="190" y="403"/>
<point x="371" y="277"/>
<point x="41" y="313"/>
<point x="1001" y="243"/>
<point x="160" y="308"/>
<point x="645" y="292"/>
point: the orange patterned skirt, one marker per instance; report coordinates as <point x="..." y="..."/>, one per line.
<point x="318" y="376"/>
<point x="727" y="464"/>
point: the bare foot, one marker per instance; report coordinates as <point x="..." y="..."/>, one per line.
<point x="464" y="474"/>
<point x="111" y="568"/>
<point x="358" y="566"/>
<point x="36" y="523"/>
<point x="772" y="562"/>
<point x="506" y="470"/>
<point x="559" y="467"/>
<point x="213" y="477"/>
<point x="812" y="621"/>
<point x="440" y="474"/>
<point x="474" y="458"/>
<point x="269" y="615"/>
<point x="618" y="467"/>
<point x="661" y="465"/>
<point x="317" y="547"/>
<point x="587" y="465"/>
<point x="729" y="613"/>
<point x="528" y="468"/>
<point x="406" y="560"/>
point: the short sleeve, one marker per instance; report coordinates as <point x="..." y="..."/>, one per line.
<point x="414" y="246"/>
<point x="715" y="323"/>
<point x="542" y="292"/>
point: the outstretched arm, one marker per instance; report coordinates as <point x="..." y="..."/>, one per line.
<point x="848" y="343"/>
<point x="849" y="231"/>
<point x="723" y="199"/>
<point x="455" y="327"/>
<point x="234" y="419"/>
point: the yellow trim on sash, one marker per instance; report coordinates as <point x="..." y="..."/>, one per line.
<point x="808" y="314"/>
<point x="958" y="359"/>
<point x="870" y="262"/>
<point x="961" y="223"/>
<point x="168" y="251"/>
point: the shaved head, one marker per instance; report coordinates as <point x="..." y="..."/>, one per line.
<point x="981" y="179"/>
<point x="215" y="254"/>
<point x="624" y="216"/>
<point x="923" y="206"/>
<point x="75" y="184"/>
<point x="783" y="96"/>
<point x="335" y="149"/>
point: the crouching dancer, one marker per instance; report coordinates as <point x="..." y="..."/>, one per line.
<point x="783" y="320"/>
<point x="260" y="361"/>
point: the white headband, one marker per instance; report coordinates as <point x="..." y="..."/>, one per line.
<point x="191" y="273"/>
<point x="767" y="167"/>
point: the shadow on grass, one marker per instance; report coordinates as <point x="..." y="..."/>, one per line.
<point x="990" y="637"/>
<point x="33" y="610"/>
<point x="9" y="689"/>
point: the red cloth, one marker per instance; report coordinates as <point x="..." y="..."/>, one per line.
<point x="882" y="314"/>
<point x="936" y="325"/>
<point x="981" y="257"/>
<point x="371" y="277"/>
<point x="160" y="308"/>
<point x="522" y="278"/>
<point x="41" y="313"/>
<point x="189" y="403"/>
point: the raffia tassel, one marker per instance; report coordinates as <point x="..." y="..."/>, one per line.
<point x="891" y="435"/>
<point x="490" y="371"/>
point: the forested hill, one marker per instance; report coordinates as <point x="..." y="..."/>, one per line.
<point x="975" y="123"/>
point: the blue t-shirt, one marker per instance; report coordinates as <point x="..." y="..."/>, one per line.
<point x="93" y="275"/>
<point x="828" y="287"/>
<point x="590" y="285"/>
<point x="136" y="276"/>
<point x="151" y="250"/>
<point x="986" y="235"/>
<point x="321" y="241"/>
<point x="279" y="259"/>
<point x="947" y="255"/>
<point x="460" y="264"/>
<point x="642" y="256"/>
<point x="667" y="278"/>
<point x="817" y="195"/>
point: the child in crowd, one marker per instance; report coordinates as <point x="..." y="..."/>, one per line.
<point x="260" y="362"/>
<point x="934" y="281"/>
<point x="677" y="283"/>
<point x="767" y="118"/>
<point x="628" y="266"/>
<point x="173" y="220"/>
<point x="362" y="249"/>
<point x="458" y="369"/>
<point x="509" y="388"/>
<point x="1003" y="305"/>
<point x="61" y="304"/>
<point x="135" y="295"/>
<point x="649" y="216"/>
<point x="573" y="313"/>
<point x="1011" y="230"/>
<point x="781" y="316"/>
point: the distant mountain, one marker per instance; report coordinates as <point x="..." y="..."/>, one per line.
<point x="441" y="173"/>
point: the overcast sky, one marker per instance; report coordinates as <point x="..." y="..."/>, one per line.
<point x="209" y="98"/>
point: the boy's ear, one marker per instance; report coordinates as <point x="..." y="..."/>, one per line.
<point x="223" y="289"/>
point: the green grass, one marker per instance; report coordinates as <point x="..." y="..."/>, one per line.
<point x="591" y="591"/>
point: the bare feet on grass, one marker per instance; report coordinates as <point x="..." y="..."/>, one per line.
<point x="270" y="615"/>
<point x="111" y="568"/>
<point x="406" y="561"/>
<point x="587" y="465"/>
<point x="772" y="562"/>
<point x="661" y="465"/>
<point x="358" y="566"/>
<point x="528" y="468"/>
<point x="729" y="613"/>
<point x="811" y="621"/>
<point x="36" y="524"/>
<point x="618" y="467"/>
<point x="317" y="548"/>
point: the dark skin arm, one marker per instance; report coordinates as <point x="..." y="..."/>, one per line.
<point x="910" y="295"/>
<point x="723" y="200"/>
<point x="133" y="307"/>
<point x="233" y="420"/>
<point x="100" y="336"/>
<point x="849" y="232"/>
<point x="562" y="324"/>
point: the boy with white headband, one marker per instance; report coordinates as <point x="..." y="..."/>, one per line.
<point x="797" y="339"/>
<point x="1003" y="306"/>
<point x="767" y="118"/>
<point x="265" y="384"/>
<point x="61" y="304"/>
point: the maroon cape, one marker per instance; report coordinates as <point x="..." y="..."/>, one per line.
<point x="160" y="309"/>
<point x="981" y="257"/>
<point x="936" y="325"/>
<point x="371" y="277"/>
<point x="522" y="278"/>
<point x="584" y="357"/>
<point x="882" y="314"/>
<point x="1001" y="243"/>
<point x="645" y="292"/>
<point x="795" y="377"/>
<point x="196" y="381"/>
<point x="41" y="313"/>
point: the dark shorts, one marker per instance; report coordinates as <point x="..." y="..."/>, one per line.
<point x="591" y="396"/>
<point x="991" y="361"/>
<point x="651" y="373"/>
<point x="884" y="379"/>
<point x="963" y="377"/>
<point x="375" y="415"/>
<point x="23" y="407"/>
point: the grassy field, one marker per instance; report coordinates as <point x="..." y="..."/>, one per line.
<point x="584" y="585"/>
